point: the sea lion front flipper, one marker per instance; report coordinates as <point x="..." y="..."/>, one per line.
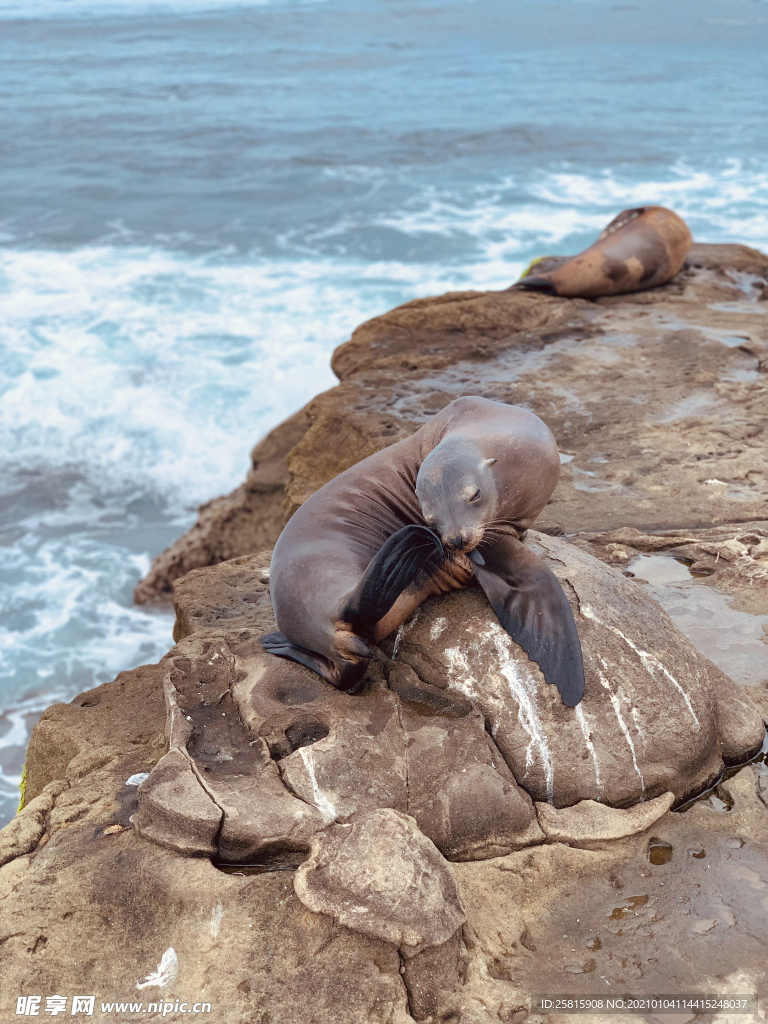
<point x="532" y="607"/>
<point x="397" y="564"/>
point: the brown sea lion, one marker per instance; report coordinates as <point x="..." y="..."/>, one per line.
<point x="639" y="249"/>
<point x="422" y="517"/>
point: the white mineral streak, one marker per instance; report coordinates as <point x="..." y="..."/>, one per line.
<point x="522" y="685"/>
<point x="216" y="915"/>
<point x="581" y="718"/>
<point x="402" y="630"/>
<point x="459" y="671"/>
<point x="650" y="661"/>
<point x="136" y="780"/>
<point x="437" y="628"/>
<point x="164" y="974"/>
<point x="321" y="801"/>
<point x="622" y="724"/>
<point x="398" y="639"/>
<point x="636" y="719"/>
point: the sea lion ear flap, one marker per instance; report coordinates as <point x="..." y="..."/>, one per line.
<point x="532" y="607"/>
<point x="488" y="462"/>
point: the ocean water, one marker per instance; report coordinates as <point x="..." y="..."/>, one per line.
<point x="199" y="200"/>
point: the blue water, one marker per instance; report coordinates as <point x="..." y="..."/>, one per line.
<point x="200" y="200"/>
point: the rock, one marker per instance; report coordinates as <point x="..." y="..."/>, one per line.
<point x="731" y="556"/>
<point x="25" y="831"/>
<point x="237" y="597"/>
<point x="460" y="790"/>
<point x="99" y="916"/>
<point x="380" y="876"/>
<point x="730" y="550"/>
<point x="573" y="917"/>
<point x="175" y="810"/>
<point x="656" y="715"/>
<point x="435" y="978"/>
<point x="93" y="906"/>
<point x="340" y="753"/>
<point x="85" y="915"/>
<point x="588" y="823"/>
<point x="759" y="697"/>
<point x="20" y="836"/>
<point x="389" y="748"/>
<point x="221" y="779"/>
<point x="122" y="722"/>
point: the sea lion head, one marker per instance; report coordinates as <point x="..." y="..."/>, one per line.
<point x="457" y="492"/>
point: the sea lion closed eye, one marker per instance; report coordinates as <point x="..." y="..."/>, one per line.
<point x="420" y="518"/>
<point x="639" y="249"/>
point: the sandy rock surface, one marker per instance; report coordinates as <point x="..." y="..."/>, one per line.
<point x="731" y="556"/>
<point x="93" y="907"/>
<point x="589" y="823"/>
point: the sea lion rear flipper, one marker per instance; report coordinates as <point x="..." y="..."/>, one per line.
<point x="532" y="607"/>
<point x="396" y="565"/>
<point x="282" y="647"/>
<point x="536" y="283"/>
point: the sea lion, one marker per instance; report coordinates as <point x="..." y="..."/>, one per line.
<point x="639" y="249"/>
<point x="422" y="517"/>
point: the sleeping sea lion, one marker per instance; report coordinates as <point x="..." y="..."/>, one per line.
<point x="447" y="505"/>
<point x="639" y="249"/>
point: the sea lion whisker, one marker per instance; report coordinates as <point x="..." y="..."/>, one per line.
<point x="500" y="527"/>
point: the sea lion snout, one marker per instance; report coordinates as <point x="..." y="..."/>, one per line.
<point x="463" y="539"/>
<point x="458" y="523"/>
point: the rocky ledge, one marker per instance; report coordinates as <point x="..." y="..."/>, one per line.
<point x="225" y="827"/>
<point x="658" y="401"/>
